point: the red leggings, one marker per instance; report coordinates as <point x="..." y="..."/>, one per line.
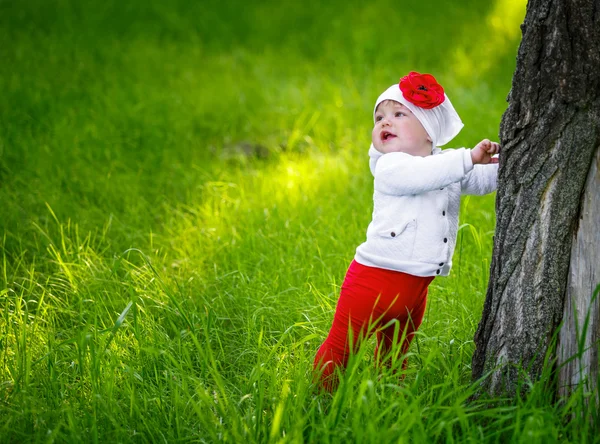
<point x="370" y="299"/>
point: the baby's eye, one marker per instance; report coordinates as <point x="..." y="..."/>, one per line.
<point x="378" y="118"/>
<point x="399" y="114"/>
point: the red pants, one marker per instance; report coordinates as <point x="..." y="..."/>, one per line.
<point x="370" y="299"/>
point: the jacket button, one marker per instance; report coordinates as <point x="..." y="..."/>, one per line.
<point x="393" y="234"/>
<point x="437" y="272"/>
<point x="441" y="264"/>
<point x="445" y="239"/>
<point x="443" y="213"/>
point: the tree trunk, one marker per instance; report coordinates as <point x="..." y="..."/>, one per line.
<point x="550" y="134"/>
<point x="580" y="332"/>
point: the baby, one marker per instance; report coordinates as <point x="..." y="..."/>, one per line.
<point x="412" y="235"/>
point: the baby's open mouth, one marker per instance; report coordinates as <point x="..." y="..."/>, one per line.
<point x="386" y="135"/>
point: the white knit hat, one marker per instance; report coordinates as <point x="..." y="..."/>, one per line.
<point x="441" y="122"/>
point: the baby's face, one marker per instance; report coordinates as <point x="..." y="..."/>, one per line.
<point x="397" y="129"/>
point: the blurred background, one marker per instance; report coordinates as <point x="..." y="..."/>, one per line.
<point x="119" y="110"/>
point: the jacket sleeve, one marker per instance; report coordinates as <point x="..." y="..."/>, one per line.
<point x="481" y="180"/>
<point x="402" y="174"/>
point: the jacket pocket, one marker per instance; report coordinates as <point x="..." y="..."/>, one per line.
<point x="401" y="237"/>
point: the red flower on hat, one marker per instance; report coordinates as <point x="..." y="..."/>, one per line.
<point x="422" y="90"/>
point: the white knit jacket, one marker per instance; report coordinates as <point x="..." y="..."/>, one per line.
<point x="415" y="209"/>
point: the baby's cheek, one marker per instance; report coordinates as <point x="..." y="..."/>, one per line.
<point x="373" y="133"/>
<point x="375" y="139"/>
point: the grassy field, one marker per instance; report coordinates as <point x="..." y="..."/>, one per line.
<point x="183" y="185"/>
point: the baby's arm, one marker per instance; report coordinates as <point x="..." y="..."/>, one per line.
<point x="402" y="174"/>
<point x="483" y="178"/>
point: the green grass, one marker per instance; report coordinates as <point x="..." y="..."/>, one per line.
<point x="182" y="188"/>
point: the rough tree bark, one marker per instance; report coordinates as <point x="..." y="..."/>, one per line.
<point x="550" y="136"/>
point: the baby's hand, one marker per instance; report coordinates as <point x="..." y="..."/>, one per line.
<point x="483" y="152"/>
